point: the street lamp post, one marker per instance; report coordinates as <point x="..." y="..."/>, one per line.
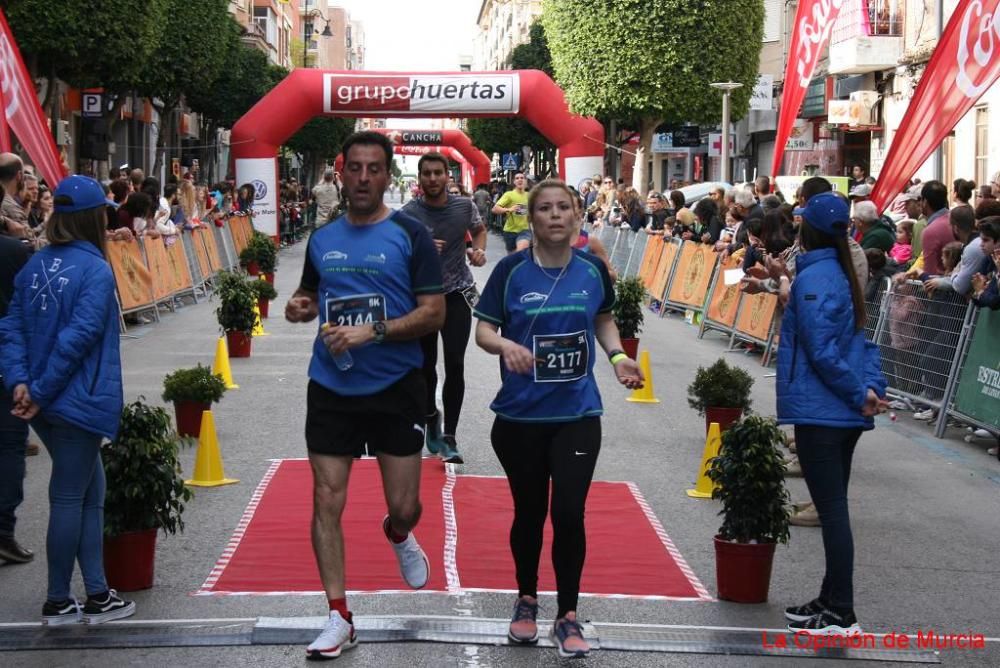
<point x="726" y="87"/>
<point x="307" y="19"/>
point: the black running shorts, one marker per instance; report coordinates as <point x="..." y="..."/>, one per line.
<point x="389" y="422"/>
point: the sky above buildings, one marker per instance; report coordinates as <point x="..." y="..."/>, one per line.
<point x="415" y="35"/>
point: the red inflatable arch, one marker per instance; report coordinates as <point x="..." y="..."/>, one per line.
<point x="472" y="169"/>
<point x="457" y="139"/>
<point x="305" y="93"/>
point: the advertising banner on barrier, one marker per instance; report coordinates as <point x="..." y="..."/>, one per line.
<point x="964" y="65"/>
<point x="23" y="112"/>
<point x="261" y="174"/>
<point x="814" y="20"/>
<point x="158" y="261"/>
<point x="756" y="314"/>
<point x="978" y="393"/>
<point x="135" y="285"/>
<point x="413" y="94"/>
<point x="180" y="275"/>
<point x="201" y="252"/>
<point x="725" y="298"/>
<point x="693" y="274"/>
<point x="662" y="276"/>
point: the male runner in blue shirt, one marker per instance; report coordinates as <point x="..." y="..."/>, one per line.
<point x="373" y="276"/>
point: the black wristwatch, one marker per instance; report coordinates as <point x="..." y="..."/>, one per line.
<point x="379" y="328"/>
<point x="616" y="351"/>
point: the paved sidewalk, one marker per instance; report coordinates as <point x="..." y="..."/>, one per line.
<point x="924" y="510"/>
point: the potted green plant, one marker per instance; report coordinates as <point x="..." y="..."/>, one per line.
<point x="192" y="391"/>
<point x="749" y="478"/>
<point x="629" y="293"/>
<point x="264" y="292"/>
<point x="145" y="493"/>
<point x="260" y="255"/>
<point x="721" y="393"/>
<point x="235" y="312"/>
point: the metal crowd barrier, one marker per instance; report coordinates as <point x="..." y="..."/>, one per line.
<point x="975" y="394"/>
<point x="149" y="274"/>
<point x="924" y="339"/>
<point x="919" y="336"/>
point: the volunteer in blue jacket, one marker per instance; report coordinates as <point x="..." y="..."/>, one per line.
<point x="829" y="387"/>
<point x="60" y="359"/>
<point x="541" y="311"/>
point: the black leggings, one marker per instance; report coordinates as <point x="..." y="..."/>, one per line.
<point x="455" y="336"/>
<point x="531" y="455"/>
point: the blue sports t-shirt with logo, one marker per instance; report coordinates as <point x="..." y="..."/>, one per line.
<point x="553" y="317"/>
<point x="363" y="273"/>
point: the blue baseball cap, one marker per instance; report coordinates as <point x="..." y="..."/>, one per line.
<point x="827" y="212"/>
<point x="79" y="193"/>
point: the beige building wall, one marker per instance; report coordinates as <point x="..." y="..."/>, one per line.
<point x="503" y="24"/>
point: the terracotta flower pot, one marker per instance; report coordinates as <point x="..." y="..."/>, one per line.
<point x="631" y="347"/>
<point x="188" y="415"/>
<point x="726" y="417"/>
<point x="269" y="277"/>
<point x="262" y="306"/>
<point x="239" y="344"/>
<point x="253" y="268"/>
<point x="743" y="570"/>
<point x="129" y="560"/>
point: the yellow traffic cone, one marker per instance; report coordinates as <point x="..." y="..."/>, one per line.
<point x="258" y="325"/>
<point x="221" y="364"/>
<point x="208" y="460"/>
<point x="703" y="487"/>
<point x="644" y="395"/>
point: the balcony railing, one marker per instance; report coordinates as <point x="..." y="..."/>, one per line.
<point x="868" y="18"/>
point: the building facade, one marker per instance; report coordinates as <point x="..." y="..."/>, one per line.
<point x="862" y="88"/>
<point x="503" y="24"/>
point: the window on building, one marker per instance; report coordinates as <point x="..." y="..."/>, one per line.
<point x="772" y="20"/>
<point x="266" y="19"/>
<point x="982" y="144"/>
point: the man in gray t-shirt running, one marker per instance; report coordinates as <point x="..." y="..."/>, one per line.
<point x="451" y="220"/>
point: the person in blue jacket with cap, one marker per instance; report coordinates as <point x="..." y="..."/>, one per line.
<point x="830" y="386"/>
<point x="60" y="360"/>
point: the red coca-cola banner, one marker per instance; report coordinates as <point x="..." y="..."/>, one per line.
<point x="22" y="111"/>
<point x="964" y="65"/>
<point x="813" y="21"/>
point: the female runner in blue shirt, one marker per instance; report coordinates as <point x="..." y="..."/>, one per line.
<point x="541" y="311"/>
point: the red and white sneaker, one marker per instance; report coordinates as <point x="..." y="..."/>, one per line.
<point x="337" y="635"/>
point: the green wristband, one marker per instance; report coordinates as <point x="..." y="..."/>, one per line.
<point x="615" y="359"/>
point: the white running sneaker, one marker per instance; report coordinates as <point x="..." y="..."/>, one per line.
<point x="337" y="635"/>
<point x="413" y="564"/>
<point x="926" y="415"/>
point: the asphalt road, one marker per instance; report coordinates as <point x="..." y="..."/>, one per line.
<point x="923" y="510"/>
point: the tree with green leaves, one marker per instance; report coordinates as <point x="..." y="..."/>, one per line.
<point x="107" y="44"/>
<point x="320" y="140"/>
<point x="245" y="76"/>
<point x="503" y="135"/>
<point x="651" y="62"/>
<point x="195" y="39"/>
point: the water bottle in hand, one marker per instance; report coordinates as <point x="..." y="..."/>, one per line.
<point x="344" y="360"/>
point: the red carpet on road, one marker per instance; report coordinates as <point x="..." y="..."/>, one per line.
<point x="275" y="553"/>
<point x="625" y="556"/>
<point x="270" y="553"/>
